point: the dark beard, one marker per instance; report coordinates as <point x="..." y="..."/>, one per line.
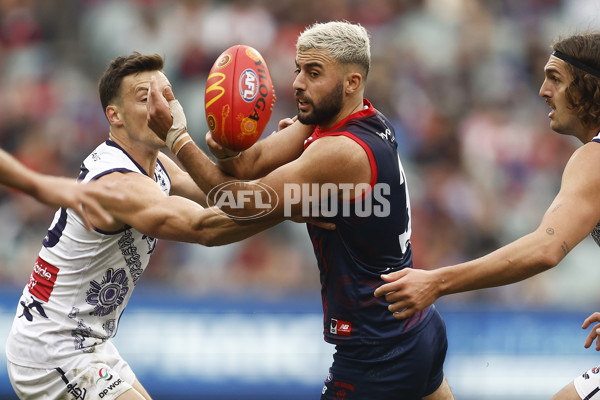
<point x="328" y="109"/>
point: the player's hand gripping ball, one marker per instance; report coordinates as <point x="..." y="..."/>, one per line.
<point x="239" y="97"/>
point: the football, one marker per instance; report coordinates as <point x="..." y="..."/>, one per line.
<point x="239" y="97"/>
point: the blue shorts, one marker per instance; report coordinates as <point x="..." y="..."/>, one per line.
<point x="411" y="368"/>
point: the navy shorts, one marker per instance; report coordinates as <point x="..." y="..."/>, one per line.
<point x="409" y="369"/>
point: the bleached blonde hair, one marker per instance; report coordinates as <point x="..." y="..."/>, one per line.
<point x="347" y="43"/>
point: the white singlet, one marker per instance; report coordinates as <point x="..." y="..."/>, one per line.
<point x="81" y="281"/>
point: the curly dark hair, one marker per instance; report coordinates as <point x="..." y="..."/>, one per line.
<point x="110" y="82"/>
<point x="583" y="94"/>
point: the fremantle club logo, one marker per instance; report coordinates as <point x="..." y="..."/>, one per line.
<point x="109" y="294"/>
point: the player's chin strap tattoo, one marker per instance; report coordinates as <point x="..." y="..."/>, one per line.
<point x="576" y="63"/>
<point x="177" y="136"/>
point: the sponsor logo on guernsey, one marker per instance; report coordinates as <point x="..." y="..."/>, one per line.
<point x="103" y="375"/>
<point x="42" y="279"/>
<point x="110" y="388"/>
<point x="339" y="327"/>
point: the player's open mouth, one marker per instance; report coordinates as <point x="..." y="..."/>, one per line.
<point x="302" y="104"/>
<point x="552" y="109"/>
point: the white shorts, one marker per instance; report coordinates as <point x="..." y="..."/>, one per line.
<point x="99" y="375"/>
<point x="588" y="384"/>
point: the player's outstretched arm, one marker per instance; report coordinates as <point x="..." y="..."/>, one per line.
<point x="569" y="219"/>
<point x="147" y="209"/>
<point x="58" y="191"/>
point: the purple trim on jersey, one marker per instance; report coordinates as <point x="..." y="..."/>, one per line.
<point x="141" y="170"/>
<point x="54" y="234"/>
<point x="110" y="171"/>
<point x="113" y="144"/>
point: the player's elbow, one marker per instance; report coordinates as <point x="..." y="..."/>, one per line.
<point x="548" y="256"/>
<point x="212" y="237"/>
<point x="208" y="239"/>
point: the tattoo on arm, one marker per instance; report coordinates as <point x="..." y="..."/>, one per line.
<point x="565" y="248"/>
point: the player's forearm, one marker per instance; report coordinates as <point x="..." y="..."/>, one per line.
<point x="244" y="166"/>
<point x="512" y="263"/>
<point x="270" y="153"/>
<point x="15" y="175"/>
<point x="205" y="173"/>
<point x="220" y="230"/>
<point x="237" y="198"/>
<point x="208" y="227"/>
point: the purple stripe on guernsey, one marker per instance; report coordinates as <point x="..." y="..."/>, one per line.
<point x="352" y="257"/>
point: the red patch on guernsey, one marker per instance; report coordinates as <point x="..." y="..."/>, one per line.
<point x="339" y="327"/>
<point x="42" y="279"/>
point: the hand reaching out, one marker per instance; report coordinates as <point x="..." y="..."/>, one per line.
<point x="409" y="291"/>
<point x="595" y="333"/>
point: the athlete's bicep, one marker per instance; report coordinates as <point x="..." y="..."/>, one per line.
<point x="319" y="173"/>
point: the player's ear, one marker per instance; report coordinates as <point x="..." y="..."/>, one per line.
<point x="113" y="115"/>
<point x="353" y="82"/>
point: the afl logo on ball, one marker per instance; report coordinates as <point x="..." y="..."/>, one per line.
<point x="248" y="85"/>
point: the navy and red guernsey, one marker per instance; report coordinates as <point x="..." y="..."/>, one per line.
<point x="372" y="237"/>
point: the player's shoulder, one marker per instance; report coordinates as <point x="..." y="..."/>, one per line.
<point x="586" y="160"/>
<point x="590" y="149"/>
<point x="107" y="153"/>
<point x="337" y="155"/>
<point x="106" y="159"/>
<point x="333" y="145"/>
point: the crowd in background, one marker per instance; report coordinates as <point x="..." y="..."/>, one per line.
<point x="459" y="79"/>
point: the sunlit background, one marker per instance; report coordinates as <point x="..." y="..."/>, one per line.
<point x="459" y="79"/>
